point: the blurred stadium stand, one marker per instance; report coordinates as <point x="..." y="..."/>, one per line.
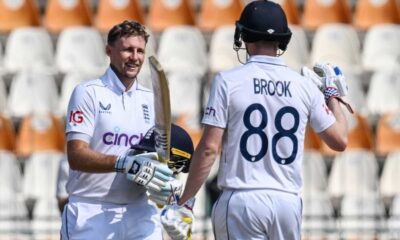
<point x="49" y="46"/>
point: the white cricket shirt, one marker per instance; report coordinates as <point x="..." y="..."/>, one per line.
<point x="264" y="108"/>
<point x="115" y="120"/>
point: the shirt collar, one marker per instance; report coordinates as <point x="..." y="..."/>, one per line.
<point x="113" y="82"/>
<point x="267" y="60"/>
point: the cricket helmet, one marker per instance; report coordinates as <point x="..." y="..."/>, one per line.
<point x="181" y="149"/>
<point x="262" y="20"/>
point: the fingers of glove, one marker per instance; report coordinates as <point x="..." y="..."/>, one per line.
<point x="164" y="170"/>
<point x="148" y="155"/>
<point x="173" y="185"/>
<point x="175" y="228"/>
<point x="308" y="73"/>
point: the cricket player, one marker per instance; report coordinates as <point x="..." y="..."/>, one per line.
<point x="257" y="115"/>
<point x="108" y="185"/>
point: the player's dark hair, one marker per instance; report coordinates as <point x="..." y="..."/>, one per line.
<point x="126" y="28"/>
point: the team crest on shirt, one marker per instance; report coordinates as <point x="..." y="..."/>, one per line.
<point x="104" y="108"/>
<point x="146" y="113"/>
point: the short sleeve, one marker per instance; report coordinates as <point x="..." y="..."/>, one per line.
<point x="216" y="112"/>
<point x="321" y="117"/>
<point x="81" y="111"/>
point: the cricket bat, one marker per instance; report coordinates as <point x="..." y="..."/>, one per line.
<point x="162" y="108"/>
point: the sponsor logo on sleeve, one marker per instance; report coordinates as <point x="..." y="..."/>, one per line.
<point x="210" y="111"/>
<point x="76" y="117"/>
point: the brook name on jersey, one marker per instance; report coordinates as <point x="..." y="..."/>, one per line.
<point x="270" y="87"/>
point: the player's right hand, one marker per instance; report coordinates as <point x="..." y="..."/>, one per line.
<point x="327" y="76"/>
<point x="145" y="170"/>
<point x="330" y="80"/>
<point x="178" y="220"/>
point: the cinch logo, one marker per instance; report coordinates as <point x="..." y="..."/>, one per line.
<point x="210" y="111"/>
<point x="123" y="139"/>
<point x="76" y="116"/>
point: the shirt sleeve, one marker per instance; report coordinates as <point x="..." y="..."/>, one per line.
<point x="321" y="117"/>
<point x="81" y="112"/>
<point x="216" y="112"/>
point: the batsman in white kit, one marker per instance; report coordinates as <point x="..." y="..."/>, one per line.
<point x="109" y="183"/>
<point x="256" y="117"/>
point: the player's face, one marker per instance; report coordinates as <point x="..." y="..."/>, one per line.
<point x="127" y="56"/>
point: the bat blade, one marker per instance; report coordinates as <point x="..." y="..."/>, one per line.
<point x="162" y="108"/>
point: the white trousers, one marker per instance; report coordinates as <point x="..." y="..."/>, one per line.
<point x="257" y="214"/>
<point x="87" y="219"/>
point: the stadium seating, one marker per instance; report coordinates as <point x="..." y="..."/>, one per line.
<point x="29" y="48"/>
<point x="394" y="218"/>
<point x="15" y="14"/>
<point x="183" y="48"/>
<point x="61" y="14"/>
<point x="318" y="13"/>
<point x="14" y="222"/>
<point x="353" y="172"/>
<point x="362" y="216"/>
<point x="356" y="96"/>
<point x="39" y="93"/>
<point x="381" y="51"/>
<point x="7" y="134"/>
<point x="382" y="95"/>
<point x="144" y="76"/>
<point x="216" y="13"/>
<point x="291" y="10"/>
<point x="3" y="96"/>
<point x="315" y="172"/>
<point x="369" y="13"/>
<point x="388" y="133"/>
<point x="110" y="13"/>
<point x="46" y="221"/>
<point x="69" y="83"/>
<point x="338" y="44"/>
<point x="32" y="92"/>
<point x="13" y="213"/>
<point x="318" y="217"/>
<point x="221" y="54"/>
<point x="40" y="133"/>
<point x="359" y="135"/>
<point x="389" y="186"/>
<point x="297" y="54"/>
<point x="81" y="49"/>
<point x="168" y="13"/>
<point x="40" y="176"/>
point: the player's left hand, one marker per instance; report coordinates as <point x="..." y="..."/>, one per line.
<point x="168" y="194"/>
<point x="178" y="221"/>
<point x="145" y="170"/>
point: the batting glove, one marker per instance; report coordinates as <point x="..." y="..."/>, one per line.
<point x="168" y="194"/>
<point x="178" y="221"/>
<point x="144" y="169"/>
<point x="330" y="80"/>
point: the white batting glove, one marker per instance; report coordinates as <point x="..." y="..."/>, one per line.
<point x="144" y="169"/>
<point x="168" y="194"/>
<point x="178" y="221"/>
<point x="331" y="77"/>
<point x="330" y="80"/>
